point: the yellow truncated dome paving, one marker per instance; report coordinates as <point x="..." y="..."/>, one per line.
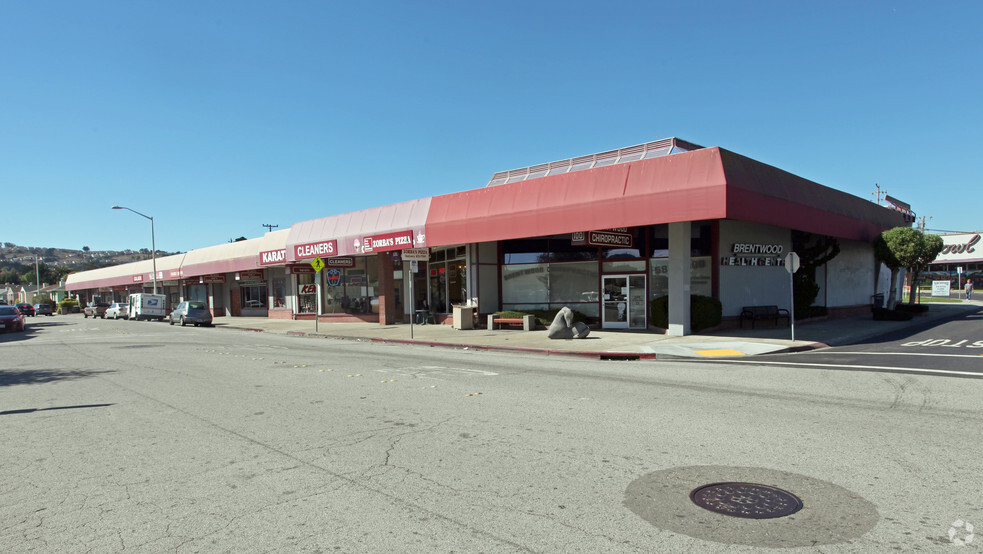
<point x="719" y="352"/>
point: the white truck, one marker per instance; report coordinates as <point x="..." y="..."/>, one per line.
<point x="147" y="306"/>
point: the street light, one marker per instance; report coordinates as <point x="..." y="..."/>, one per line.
<point x="37" y="273"/>
<point x="153" y="241"/>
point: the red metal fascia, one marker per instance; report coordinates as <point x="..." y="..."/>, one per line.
<point x="683" y="187"/>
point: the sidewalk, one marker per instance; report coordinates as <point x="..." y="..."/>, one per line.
<point x="612" y="344"/>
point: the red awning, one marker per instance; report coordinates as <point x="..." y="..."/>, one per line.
<point x="762" y="193"/>
<point x="350" y="229"/>
<point x="682" y="187"/>
<point x="709" y="183"/>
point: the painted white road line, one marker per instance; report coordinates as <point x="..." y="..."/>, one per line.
<point x="852" y="366"/>
<point x="904" y="354"/>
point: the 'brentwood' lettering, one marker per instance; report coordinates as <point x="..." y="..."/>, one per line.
<point x="742" y="248"/>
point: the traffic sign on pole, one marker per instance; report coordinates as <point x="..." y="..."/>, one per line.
<point x="791" y="265"/>
<point x="792" y="262"/>
<point x="318" y="265"/>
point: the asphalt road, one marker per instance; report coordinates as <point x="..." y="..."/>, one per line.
<point x="952" y="348"/>
<point x="136" y="436"/>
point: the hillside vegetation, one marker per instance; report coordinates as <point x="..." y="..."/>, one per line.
<point x="17" y="263"/>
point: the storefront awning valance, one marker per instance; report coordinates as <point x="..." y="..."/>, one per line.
<point x="345" y="234"/>
<point x="236" y="256"/>
<point x="709" y="183"/>
<point x="168" y="268"/>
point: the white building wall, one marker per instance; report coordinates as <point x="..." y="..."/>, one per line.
<point x="849" y="277"/>
<point x="753" y="285"/>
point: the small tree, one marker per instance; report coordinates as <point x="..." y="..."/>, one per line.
<point x="814" y="252"/>
<point x="930" y="248"/>
<point x="904" y="247"/>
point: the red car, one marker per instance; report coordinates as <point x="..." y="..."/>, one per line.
<point x="11" y="319"/>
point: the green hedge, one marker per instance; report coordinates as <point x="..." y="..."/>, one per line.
<point x="913" y="309"/>
<point x="704" y="312"/>
<point x="883" y="314"/>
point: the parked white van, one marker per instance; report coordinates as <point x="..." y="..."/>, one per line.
<point x="147" y="306"/>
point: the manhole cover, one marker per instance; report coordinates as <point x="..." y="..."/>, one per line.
<point x="746" y="500"/>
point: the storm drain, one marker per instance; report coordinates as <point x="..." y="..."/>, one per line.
<point x="746" y="500"/>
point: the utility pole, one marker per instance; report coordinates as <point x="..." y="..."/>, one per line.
<point x="921" y="226"/>
<point x="269" y="227"/>
<point x="880" y="194"/>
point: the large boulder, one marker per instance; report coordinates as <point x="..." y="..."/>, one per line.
<point x="564" y="327"/>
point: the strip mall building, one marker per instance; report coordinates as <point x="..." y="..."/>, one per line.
<point x="961" y="258"/>
<point x="603" y="234"/>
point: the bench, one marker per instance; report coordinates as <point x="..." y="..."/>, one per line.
<point x="528" y="322"/>
<point x="763" y="313"/>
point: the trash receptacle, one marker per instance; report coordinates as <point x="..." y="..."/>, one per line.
<point x="464" y="317"/>
<point x="877" y="300"/>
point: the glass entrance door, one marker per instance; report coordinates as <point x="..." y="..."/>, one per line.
<point x="623" y="303"/>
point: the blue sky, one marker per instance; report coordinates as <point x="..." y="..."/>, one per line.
<point x="219" y="117"/>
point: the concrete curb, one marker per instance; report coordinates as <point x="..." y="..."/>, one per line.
<point x="853" y="332"/>
<point x="626" y="356"/>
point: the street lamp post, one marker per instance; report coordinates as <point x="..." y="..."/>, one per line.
<point x="37" y="274"/>
<point x="153" y="241"/>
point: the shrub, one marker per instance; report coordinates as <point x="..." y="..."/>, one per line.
<point x="704" y="312"/>
<point x="510" y="314"/>
<point x="543" y="317"/>
<point x="811" y="311"/>
<point x="546" y="317"/>
<point x="913" y="309"/>
<point x="884" y="314"/>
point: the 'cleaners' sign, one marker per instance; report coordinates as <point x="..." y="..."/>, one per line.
<point x="315" y="249"/>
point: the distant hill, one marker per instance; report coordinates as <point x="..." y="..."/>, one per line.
<point x="76" y="260"/>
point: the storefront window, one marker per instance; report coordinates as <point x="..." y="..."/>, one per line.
<point x="526" y="284"/>
<point x="701" y="239"/>
<point x="448" y="279"/>
<point x="573" y="282"/>
<point x="525" y="251"/>
<point x="624" y="266"/>
<point x="551" y="286"/>
<point x="198" y="292"/>
<point x="306" y="294"/>
<point x="457" y="282"/>
<point x="352" y="290"/>
<point x="700" y="277"/>
<point x="279" y="292"/>
<point x="254" y="296"/>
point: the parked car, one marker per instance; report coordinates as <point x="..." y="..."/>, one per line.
<point x="117" y="310"/>
<point x="43" y="309"/>
<point x="191" y="312"/>
<point x="25" y="309"/>
<point x="11" y="319"/>
<point x="95" y="309"/>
